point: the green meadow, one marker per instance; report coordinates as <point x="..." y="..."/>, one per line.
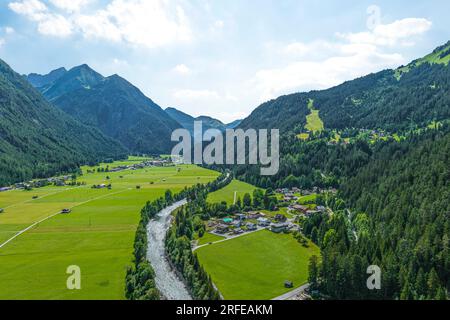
<point x="313" y="121"/>
<point x="227" y="194"/>
<point x="255" y="266"/>
<point x="97" y="235"/>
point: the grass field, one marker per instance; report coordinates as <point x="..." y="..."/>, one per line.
<point x="97" y="236"/>
<point x="255" y="266"/>
<point x="313" y="121"/>
<point x="227" y="194"/>
<point x="207" y="238"/>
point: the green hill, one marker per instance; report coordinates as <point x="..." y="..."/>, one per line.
<point x="375" y="101"/>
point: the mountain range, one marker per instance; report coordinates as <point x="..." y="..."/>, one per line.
<point x="395" y="100"/>
<point x="187" y="121"/>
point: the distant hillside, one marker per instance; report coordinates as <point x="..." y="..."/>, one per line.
<point x="115" y="106"/>
<point x="39" y="140"/>
<point x="393" y="100"/>
<point x="187" y="121"/>
<point x="38" y="80"/>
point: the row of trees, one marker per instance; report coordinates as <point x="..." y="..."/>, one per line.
<point x="140" y="277"/>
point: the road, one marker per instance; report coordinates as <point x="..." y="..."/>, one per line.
<point x="292" y="293"/>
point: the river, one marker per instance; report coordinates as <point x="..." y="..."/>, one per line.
<point x="167" y="281"/>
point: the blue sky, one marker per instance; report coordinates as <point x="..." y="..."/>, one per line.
<point x="220" y="58"/>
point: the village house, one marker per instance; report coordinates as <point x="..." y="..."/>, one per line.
<point x="222" y="229"/>
<point x="279" y="227"/>
<point x="238" y="231"/>
<point x="240" y="216"/>
<point x="251" y="226"/>
<point x="254" y="215"/>
<point x="263" y="222"/>
<point x="299" y="208"/>
<point x="280" y="218"/>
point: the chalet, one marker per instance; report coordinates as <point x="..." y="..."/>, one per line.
<point x="237" y="223"/>
<point x="240" y="216"/>
<point x="251" y="227"/>
<point x="254" y="215"/>
<point x="279" y="227"/>
<point x="299" y="208"/>
<point x="263" y="222"/>
<point x="222" y="229"/>
<point x="238" y="231"/>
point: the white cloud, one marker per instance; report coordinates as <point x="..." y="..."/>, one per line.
<point x="219" y="24"/>
<point x="70" y="5"/>
<point x="148" y="23"/>
<point x="9" y="30"/>
<point x="397" y="33"/>
<point x="47" y="23"/>
<point x="55" y="25"/>
<point x="351" y="56"/>
<point x="32" y="9"/>
<point x="182" y="69"/>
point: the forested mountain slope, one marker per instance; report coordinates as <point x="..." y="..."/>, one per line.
<point x="39" y="140"/>
<point x="115" y="107"/>
<point x="399" y="221"/>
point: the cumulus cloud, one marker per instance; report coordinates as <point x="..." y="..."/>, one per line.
<point x="398" y="32"/>
<point x="48" y="23"/>
<point x="9" y="30"/>
<point x="349" y="56"/>
<point x="70" y="5"/>
<point x="148" y="23"/>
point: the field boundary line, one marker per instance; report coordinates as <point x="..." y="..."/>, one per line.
<point x="44" y="196"/>
<point x="55" y="214"/>
<point x="227" y="239"/>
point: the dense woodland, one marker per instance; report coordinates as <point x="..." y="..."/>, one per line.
<point x="392" y="208"/>
<point x="399" y="220"/>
